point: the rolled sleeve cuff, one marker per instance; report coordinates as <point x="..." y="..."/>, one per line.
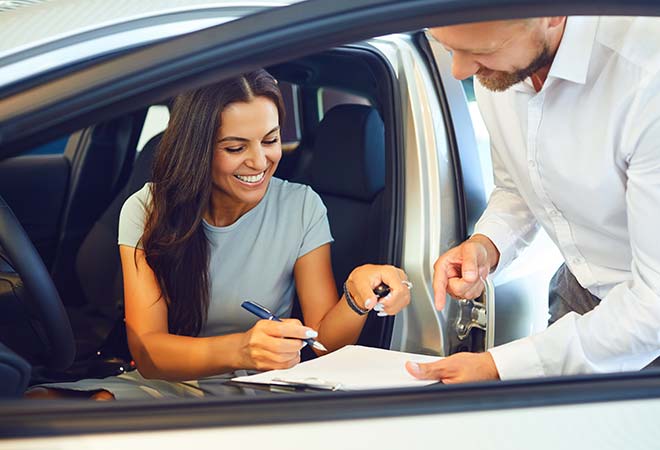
<point x="517" y="359"/>
<point x="501" y="235"/>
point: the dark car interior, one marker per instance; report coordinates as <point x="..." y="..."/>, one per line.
<point x="339" y="137"/>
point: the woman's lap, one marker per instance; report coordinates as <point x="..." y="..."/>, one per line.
<point x="132" y="386"/>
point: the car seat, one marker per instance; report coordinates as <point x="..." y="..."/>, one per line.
<point x="99" y="325"/>
<point x="100" y="157"/>
<point x="347" y="170"/>
<point x="14" y="373"/>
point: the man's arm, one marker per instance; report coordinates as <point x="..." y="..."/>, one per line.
<point x="507" y="220"/>
<point x="622" y="332"/>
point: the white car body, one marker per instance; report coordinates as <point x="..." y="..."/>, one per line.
<point x="39" y="40"/>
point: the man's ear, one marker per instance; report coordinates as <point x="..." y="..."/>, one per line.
<point x="556" y="21"/>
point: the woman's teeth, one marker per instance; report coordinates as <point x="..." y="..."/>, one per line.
<point x="251" y="178"/>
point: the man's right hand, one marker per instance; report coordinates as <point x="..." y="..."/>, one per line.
<point x="459" y="271"/>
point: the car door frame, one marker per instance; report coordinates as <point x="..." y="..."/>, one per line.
<point x="68" y="99"/>
<point x="107" y="90"/>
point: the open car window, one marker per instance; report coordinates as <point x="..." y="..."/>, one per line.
<point x="434" y="183"/>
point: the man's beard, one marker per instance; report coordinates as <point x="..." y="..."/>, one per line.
<point x="499" y="81"/>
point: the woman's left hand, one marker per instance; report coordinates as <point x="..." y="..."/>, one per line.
<point x="364" y="279"/>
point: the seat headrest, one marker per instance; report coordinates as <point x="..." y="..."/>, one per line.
<point x="143" y="165"/>
<point x="349" y="153"/>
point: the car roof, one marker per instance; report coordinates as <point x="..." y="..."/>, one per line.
<point x="44" y="36"/>
<point x="28" y="24"/>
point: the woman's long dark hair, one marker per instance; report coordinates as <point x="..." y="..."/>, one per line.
<point x="174" y="242"/>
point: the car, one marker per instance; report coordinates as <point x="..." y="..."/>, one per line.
<point x="82" y="104"/>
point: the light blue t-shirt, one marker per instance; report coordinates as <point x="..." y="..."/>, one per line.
<point x="253" y="258"/>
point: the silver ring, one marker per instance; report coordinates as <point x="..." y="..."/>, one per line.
<point x="407" y="283"/>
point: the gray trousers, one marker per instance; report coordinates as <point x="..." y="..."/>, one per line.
<point x="567" y="295"/>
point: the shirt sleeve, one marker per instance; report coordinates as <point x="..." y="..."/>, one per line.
<point x="507" y="221"/>
<point x="132" y="218"/>
<point x="315" y="223"/>
<point x="623" y="332"/>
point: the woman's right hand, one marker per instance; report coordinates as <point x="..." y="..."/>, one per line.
<point x="274" y="345"/>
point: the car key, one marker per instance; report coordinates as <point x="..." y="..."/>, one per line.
<point x="381" y="290"/>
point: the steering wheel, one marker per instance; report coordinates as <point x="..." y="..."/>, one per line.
<point x="42" y="294"/>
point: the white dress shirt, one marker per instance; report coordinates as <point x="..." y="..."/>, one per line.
<point x="581" y="158"/>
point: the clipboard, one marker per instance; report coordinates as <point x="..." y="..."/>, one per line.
<point x="286" y="386"/>
<point x="350" y="368"/>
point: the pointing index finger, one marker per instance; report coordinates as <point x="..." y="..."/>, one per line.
<point x="440" y="285"/>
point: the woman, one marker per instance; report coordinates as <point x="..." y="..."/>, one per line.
<point x="213" y="229"/>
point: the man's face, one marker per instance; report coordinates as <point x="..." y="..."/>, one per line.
<point x="500" y="54"/>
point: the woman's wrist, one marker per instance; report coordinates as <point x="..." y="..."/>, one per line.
<point x="352" y="303"/>
<point x="234" y="359"/>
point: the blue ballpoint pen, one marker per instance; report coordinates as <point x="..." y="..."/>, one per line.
<point x="263" y="313"/>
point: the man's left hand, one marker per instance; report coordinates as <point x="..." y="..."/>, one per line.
<point x="457" y="368"/>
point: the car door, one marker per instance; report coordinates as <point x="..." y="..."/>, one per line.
<point x="307" y="27"/>
<point x="35" y="186"/>
<point x="438" y="190"/>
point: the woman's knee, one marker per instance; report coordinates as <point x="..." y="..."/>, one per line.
<point x="54" y="394"/>
<point x="102" y="396"/>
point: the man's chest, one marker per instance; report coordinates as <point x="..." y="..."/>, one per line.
<point x="565" y="144"/>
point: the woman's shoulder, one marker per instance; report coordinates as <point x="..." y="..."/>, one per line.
<point x="302" y="209"/>
<point x="292" y="193"/>
<point x="297" y="200"/>
<point x="139" y="199"/>
<point x="133" y="215"/>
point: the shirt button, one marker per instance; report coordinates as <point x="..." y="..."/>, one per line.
<point x="532" y="164"/>
<point x="578" y="260"/>
<point x="554" y="212"/>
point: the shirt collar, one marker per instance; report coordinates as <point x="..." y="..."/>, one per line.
<point x="571" y="61"/>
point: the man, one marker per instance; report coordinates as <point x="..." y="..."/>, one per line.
<point x="572" y="106"/>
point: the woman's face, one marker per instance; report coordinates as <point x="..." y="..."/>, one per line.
<point x="247" y="152"/>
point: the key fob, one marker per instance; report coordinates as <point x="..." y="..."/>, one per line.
<point x="382" y="290"/>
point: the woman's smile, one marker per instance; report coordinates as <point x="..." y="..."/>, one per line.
<point x="252" y="180"/>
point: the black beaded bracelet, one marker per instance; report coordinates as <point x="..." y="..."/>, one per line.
<point x="352" y="304"/>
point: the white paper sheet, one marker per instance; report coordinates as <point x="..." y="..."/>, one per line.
<point x="350" y="368"/>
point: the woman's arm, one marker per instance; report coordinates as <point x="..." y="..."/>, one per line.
<point x="337" y="324"/>
<point x="159" y="354"/>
